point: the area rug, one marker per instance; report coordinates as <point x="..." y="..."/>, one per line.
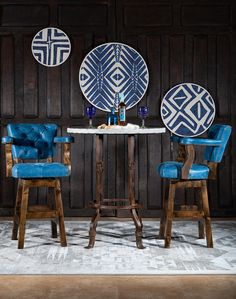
<point x="115" y="250"/>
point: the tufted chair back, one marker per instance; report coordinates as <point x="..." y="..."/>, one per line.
<point x="32" y="141"/>
<point x="217" y="132"/>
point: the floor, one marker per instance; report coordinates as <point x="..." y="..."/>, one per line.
<point x="117" y="287"/>
<point x="115" y="251"/>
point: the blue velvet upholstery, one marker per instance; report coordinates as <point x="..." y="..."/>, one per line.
<point x="40" y="170"/>
<point x="200" y="141"/>
<point x="218" y="136"/>
<point x="67" y="139"/>
<point x="32" y="141"/>
<point x="217" y="132"/>
<point x="36" y="142"/>
<point x="7" y="139"/>
<point x="172" y="170"/>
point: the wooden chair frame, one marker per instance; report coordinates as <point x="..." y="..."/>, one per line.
<point x="22" y="209"/>
<point x="200" y="212"/>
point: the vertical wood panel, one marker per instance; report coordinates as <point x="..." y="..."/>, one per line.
<point x="7" y="77"/>
<point x="142" y="148"/>
<point x="77" y="174"/>
<point x="120" y="166"/>
<point x="200" y="60"/>
<point x="212" y="86"/>
<point x="233" y="119"/>
<point x="54" y="92"/>
<point x="188" y="58"/>
<point x="154" y="182"/>
<point x="89" y="169"/>
<point x="223" y="76"/>
<point x="8" y="185"/>
<point x="76" y="97"/>
<point x="177" y="48"/>
<point x="176" y="59"/>
<point x="154" y="67"/>
<point x="30" y="81"/>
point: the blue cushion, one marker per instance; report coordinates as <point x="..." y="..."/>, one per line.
<point x="64" y="139"/>
<point x="172" y="170"/>
<point x="201" y="141"/>
<point x="40" y="170"/>
<point x="32" y="141"/>
<point x="219" y="132"/>
<point x="7" y="139"/>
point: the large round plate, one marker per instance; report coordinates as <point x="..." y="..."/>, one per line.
<point x="112" y="69"/>
<point x="51" y="46"/>
<point x="187" y="110"/>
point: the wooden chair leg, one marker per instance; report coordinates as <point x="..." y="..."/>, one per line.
<point x="53" y="221"/>
<point x="23" y="212"/>
<point x="207" y="217"/>
<point x="162" y="230"/>
<point x="59" y="208"/>
<point x="201" y="230"/>
<point x="17" y="211"/>
<point x="169" y="216"/>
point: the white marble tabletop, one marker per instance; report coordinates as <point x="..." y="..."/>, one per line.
<point x="117" y="130"/>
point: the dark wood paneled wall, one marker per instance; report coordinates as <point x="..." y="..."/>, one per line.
<point x="181" y="41"/>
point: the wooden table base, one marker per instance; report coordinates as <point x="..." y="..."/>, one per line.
<point x="108" y="204"/>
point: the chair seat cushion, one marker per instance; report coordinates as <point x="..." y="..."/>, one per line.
<point x="172" y="170"/>
<point x="40" y="170"/>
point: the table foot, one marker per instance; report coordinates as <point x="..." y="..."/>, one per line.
<point x="139" y="241"/>
<point x="139" y="226"/>
<point x="92" y="231"/>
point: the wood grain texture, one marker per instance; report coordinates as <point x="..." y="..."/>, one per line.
<point x="178" y="45"/>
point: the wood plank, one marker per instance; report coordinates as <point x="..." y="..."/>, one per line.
<point x="24" y="15"/>
<point x="54" y="92"/>
<point x="77" y="101"/>
<point x="154" y="67"/>
<point x="154" y="181"/>
<point x="7" y="77"/>
<point x="206" y="15"/>
<point x="142" y="165"/>
<point x="147" y="15"/>
<point x="30" y="81"/>
<point x="176" y="59"/>
<point x="200" y="60"/>
<point x="88" y="14"/>
<point x="77" y="182"/>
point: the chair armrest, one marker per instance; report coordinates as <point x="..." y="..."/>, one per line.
<point x="175" y="138"/>
<point x="66" y="148"/>
<point x="200" y="141"/>
<point x="7" y="140"/>
<point x="66" y="139"/>
<point x="189" y="159"/>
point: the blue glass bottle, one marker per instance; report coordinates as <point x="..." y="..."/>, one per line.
<point x="112" y="118"/>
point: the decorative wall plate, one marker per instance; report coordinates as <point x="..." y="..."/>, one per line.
<point x="112" y="69"/>
<point x="51" y="46"/>
<point x="187" y="110"/>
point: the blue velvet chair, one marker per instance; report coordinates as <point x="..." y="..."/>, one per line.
<point x="30" y="149"/>
<point x="184" y="173"/>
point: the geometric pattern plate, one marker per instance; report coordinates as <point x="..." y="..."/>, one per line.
<point x="111" y="69"/>
<point x="51" y="46"/>
<point x="187" y="110"/>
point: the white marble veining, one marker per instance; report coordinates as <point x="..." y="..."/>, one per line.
<point x="127" y="130"/>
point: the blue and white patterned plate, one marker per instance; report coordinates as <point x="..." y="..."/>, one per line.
<point x="187" y="110"/>
<point x="112" y="69"/>
<point x="51" y="46"/>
